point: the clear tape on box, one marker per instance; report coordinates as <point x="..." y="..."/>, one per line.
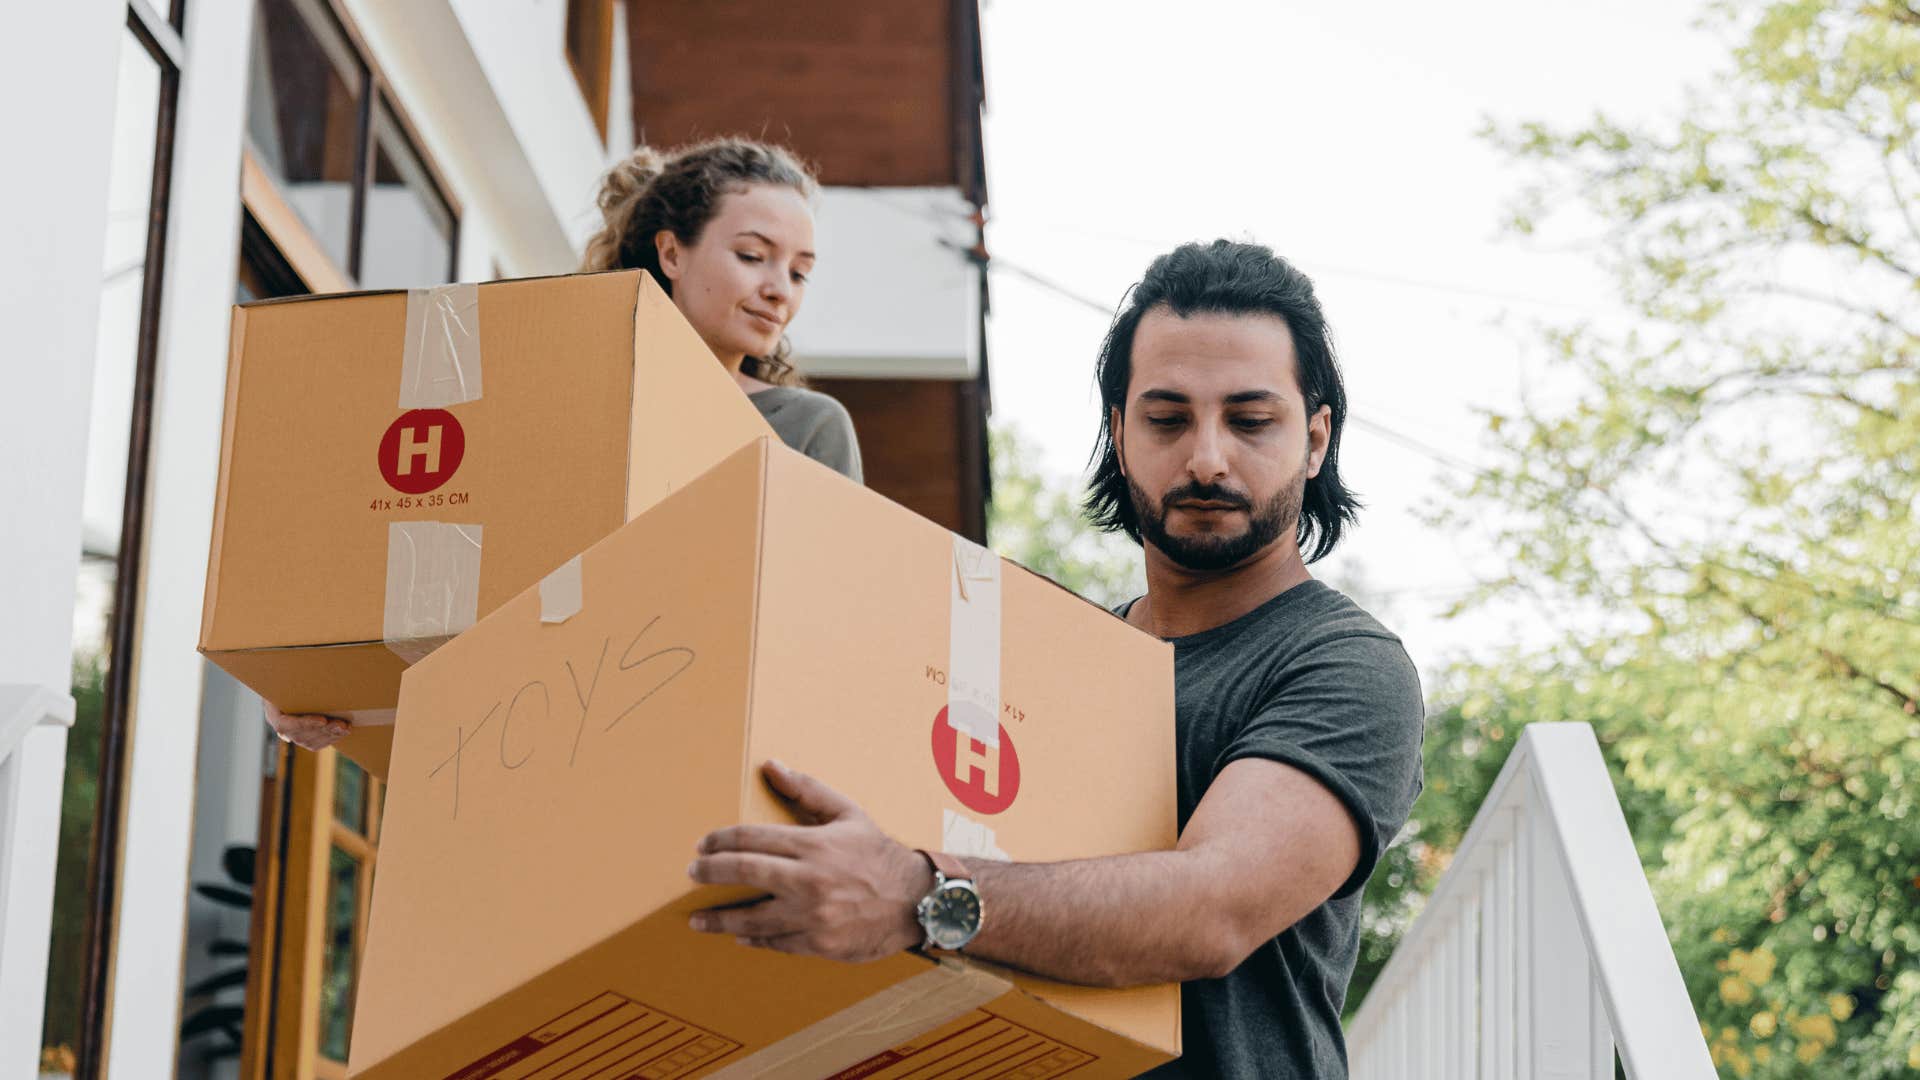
<point x="440" y="361"/>
<point x="973" y="643"/>
<point x="562" y="593"/>
<point x="433" y="585"/>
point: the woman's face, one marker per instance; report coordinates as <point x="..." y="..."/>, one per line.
<point x="741" y="283"/>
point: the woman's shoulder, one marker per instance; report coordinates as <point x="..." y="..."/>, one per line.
<point x="813" y="423"/>
<point x="799" y="403"/>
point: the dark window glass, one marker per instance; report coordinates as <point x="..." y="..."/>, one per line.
<point x="304" y="88"/>
<point x="409" y="237"/>
<point x="350" y="795"/>
<point x="337" y="970"/>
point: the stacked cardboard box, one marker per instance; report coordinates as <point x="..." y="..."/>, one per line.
<point x="396" y="464"/>
<point x="556" y="764"/>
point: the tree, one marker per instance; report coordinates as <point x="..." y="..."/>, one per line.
<point x="1722" y="517"/>
<point x="1036" y="522"/>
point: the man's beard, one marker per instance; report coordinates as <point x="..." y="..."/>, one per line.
<point x="1265" y="524"/>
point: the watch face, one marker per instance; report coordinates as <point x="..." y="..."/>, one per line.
<point x="954" y="916"/>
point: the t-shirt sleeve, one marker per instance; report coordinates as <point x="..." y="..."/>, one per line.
<point x="1349" y="713"/>
<point x="830" y="439"/>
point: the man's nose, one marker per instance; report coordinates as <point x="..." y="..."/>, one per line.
<point x="1207" y="459"/>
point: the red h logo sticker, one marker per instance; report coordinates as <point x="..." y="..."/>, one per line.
<point x="421" y="450"/>
<point x="984" y="778"/>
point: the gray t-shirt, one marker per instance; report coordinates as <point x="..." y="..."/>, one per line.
<point x="1310" y="680"/>
<point x="812" y="423"/>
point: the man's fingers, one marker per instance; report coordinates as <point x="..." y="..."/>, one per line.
<point x="787" y="840"/>
<point x="795" y="944"/>
<point x="763" y="920"/>
<point x="770" y="872"/>
<point x="815" y="800"/>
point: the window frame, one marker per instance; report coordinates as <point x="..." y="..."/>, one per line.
<point x="161" y="39"/>
<point x="263" y="195"/>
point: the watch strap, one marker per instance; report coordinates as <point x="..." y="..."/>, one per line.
<point x="947" y="866"/>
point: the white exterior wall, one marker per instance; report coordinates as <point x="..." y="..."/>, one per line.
<point x="893" y="295"/>
<point x="203" y="235"/>
<point x="53" y="227"/>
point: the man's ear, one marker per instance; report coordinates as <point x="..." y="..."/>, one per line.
<point x="672" y="254"/>
<point x="1116" y="428"/>
<point x="1319" y="433"/>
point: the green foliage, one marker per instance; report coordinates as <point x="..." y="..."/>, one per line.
<point x="1036" y="522"/>
<point x="79" y="796"/>
<point x="1721" y="522"/>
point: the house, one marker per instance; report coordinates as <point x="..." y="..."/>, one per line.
<point x="164" y="864"/>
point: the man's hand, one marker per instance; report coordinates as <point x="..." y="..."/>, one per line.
<point x="839" y="887"/>
<point x="310" y="730"/>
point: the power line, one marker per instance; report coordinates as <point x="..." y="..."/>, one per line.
<point x="998" y="263"/>
<point x="1405" y="441"/>
<point x="1320" y="268"/>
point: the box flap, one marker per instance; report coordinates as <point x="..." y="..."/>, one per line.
<point x="687" y="412"/>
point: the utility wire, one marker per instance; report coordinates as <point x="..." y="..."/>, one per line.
<point x="1405" y="441"/>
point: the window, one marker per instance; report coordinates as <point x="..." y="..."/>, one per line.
<point x="349" y="887"/>
<point x="591" y="27"/>
<point x="342" y="162"/>
<point x="305" y="86"/>
<point x="113" y="513"/>
<point x="409" y="233"/>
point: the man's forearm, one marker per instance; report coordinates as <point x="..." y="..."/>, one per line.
<point x="1126" y="920"/>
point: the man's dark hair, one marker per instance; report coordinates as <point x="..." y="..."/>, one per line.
<point x="1227" y="278"/>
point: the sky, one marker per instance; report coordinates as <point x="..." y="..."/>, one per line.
<point x="1345" y="136"/>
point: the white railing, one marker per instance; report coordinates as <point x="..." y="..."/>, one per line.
<point x="1540" y="952"/>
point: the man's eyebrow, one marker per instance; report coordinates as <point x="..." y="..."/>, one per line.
<point x="1238" y="397"/>
<point x="1242" y="397"/>
<point x="769" y="241"/>
<point x="1174" y="396"/>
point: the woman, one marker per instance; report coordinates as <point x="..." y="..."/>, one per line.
<point x="726" y="228"/>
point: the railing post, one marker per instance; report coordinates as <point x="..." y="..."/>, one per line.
<point x="1600" y="1057"/>
<point x="1507" y="974"/>
<point x="1486" y="989"/>
<point x="1559" y="977"/>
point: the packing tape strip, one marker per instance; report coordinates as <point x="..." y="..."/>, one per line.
<point x="973" y="643"/>
<point x="875" y="1025"/>
<point x="561" y="593"/>
<point x="433" y="585"/>
<point x="440" y="361"/>
<point x="961" y="835"/>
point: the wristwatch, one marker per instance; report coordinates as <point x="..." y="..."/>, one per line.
<point x="952" y="911"/>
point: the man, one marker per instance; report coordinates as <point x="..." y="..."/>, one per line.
<point x="1298" y="716"/>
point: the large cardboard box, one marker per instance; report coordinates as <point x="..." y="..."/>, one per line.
<point x="395" y="464"/>
<point x="556" y="764"/>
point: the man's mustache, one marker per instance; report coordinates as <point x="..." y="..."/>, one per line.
<point x="1204" y="493"/>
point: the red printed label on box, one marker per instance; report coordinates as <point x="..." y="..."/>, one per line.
<point x="611" y="1037"/>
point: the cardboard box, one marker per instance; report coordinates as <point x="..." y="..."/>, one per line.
<point x="395" y="464"/>
<point x="551" y="778"/>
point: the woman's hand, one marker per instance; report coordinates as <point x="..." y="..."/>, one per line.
<point x="310" y="730"/>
